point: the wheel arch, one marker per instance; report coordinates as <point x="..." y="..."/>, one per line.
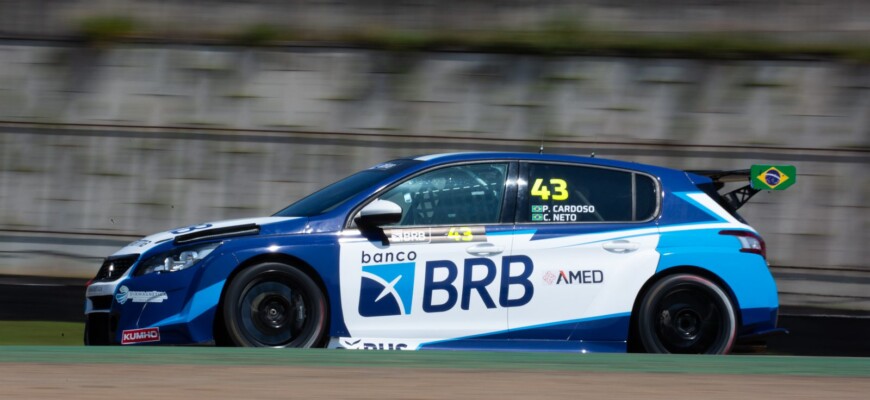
<point x="219" y="328"/>
<point x="633" y="343"/>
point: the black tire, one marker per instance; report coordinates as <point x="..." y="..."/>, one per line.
<point x="686" y="314"/>
<point x="274" y="305"/>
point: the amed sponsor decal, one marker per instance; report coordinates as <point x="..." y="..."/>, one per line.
<point x="144" y="335"/>
<point x="577" y="277"/>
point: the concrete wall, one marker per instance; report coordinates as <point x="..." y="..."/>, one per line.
<point x="789" y="19"/>
<point x="98" y="146"/>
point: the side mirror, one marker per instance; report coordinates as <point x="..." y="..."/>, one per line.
<point x="378" y="213"/>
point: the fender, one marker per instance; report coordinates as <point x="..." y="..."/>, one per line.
<point x="745" y="274"/>
<point x="205" y="285"/>
<point x="318" y="251"/>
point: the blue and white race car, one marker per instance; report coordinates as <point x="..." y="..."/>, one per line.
<point x="483" y="251"/>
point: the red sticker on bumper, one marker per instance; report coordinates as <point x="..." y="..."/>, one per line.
<point x="140" y="336"/>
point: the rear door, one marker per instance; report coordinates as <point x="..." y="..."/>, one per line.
<point x="591" y="235"/>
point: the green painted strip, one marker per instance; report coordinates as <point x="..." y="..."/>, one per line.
<point x="621" y="363"/>
<point x="41" y="333"/>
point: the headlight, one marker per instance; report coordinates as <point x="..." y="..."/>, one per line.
<point x="176" y="259"/>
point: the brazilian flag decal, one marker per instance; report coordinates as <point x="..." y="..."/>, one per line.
<point x="773" y="177"/>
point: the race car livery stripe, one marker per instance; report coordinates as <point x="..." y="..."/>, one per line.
<point x="201" y="302"/>
<point x="533" y="327"/>
<point x="518" y="232"/>
<point x="435" y="156"/>
<point x="699" y="226"/>
<point x="606" y="238"/>
<point x="595" y="234"/>
<point x="434" y="235"/>
<point x="703" y="202"/>
<point x="566" y="346"/>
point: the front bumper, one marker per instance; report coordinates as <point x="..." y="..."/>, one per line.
<point x="172" y="308"/>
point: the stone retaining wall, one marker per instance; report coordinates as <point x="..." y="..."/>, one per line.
<point x="147" y="138"/>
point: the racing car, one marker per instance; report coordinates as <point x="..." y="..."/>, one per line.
<point x="476" y="251"/>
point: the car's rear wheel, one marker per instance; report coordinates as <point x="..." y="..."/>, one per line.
<point x="686" y="314"/>
<point x="274" y="305"/>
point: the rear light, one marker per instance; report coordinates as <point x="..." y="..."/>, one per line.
<point x="749" y="242"/>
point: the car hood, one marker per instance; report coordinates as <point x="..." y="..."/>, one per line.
<point x="268" y="225"/>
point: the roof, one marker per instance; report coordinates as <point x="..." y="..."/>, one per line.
<point x="475" y="156"/>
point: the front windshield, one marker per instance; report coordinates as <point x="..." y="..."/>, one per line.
<point x="336" y="194"/>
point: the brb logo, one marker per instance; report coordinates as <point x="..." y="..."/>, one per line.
<point x="388" y="289"/>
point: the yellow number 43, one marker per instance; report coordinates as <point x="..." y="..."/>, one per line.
<point x="462" y="234"/>
<point x="560" y="189"/>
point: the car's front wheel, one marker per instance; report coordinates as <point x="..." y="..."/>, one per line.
<point x="274" y="305"/>
<point x="686" y="314"/>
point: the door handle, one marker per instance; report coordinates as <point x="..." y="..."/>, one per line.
<point x="620" y="246"/>
<point x="484" y="249"/>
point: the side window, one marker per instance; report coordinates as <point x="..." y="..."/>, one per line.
<point x="462" y="194"/>
<point x="566" y="193"/>
<point x="647" y="197"/>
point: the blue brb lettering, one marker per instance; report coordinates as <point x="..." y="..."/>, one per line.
<point x="430" y="285"/>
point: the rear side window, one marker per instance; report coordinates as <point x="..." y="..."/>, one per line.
<point x="568" y="193"/>
<point x="646" y="197"/>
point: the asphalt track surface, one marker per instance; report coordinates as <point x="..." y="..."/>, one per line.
<point x="193" y="372"/>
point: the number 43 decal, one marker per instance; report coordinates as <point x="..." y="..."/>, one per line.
<point x="560" y="189"/>
<point x="461" y="234"/>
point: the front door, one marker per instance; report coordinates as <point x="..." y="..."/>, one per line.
<point x="438" y="274"/>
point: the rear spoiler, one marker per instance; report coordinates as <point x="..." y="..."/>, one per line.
<point x="758" y="178"/>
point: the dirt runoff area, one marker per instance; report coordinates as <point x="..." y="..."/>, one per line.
<point x="136" y="381"/>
